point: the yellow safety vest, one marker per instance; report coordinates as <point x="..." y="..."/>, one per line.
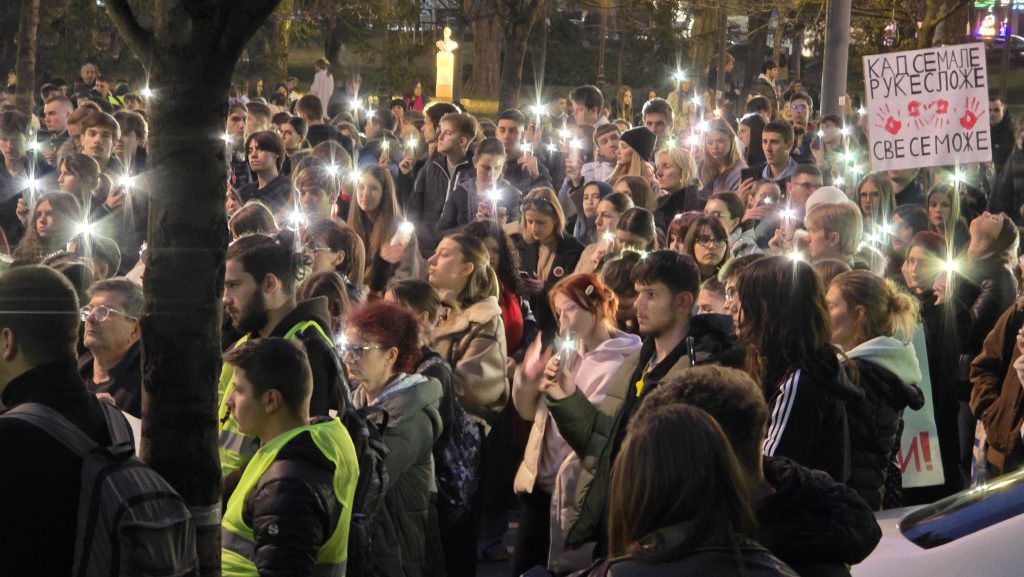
<point x="235" y="447"/>
<point x="238" y="546"/>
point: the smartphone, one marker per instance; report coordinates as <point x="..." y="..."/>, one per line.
<point x="749" y="173"/>
<point x="524" y="274"/>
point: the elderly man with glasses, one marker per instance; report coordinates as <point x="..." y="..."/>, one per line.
<point x="112" y="366"/>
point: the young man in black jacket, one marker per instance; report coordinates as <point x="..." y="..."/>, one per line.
<point x="815" y="524"/>
<point x="39" y="488"/>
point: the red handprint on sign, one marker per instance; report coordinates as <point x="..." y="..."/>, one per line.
<point x="942" y="106"/>
<point x="972" y="113"/>
<point x="914" y="109"/>
<point x="889" y="121"/>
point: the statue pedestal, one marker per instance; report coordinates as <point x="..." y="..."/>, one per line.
<point x="445" y="76"/>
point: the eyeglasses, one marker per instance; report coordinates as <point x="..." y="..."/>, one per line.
<point x="102" y="313"/>
<point x="730" y="294"/>
<point x="315" y="249"/>
<point x="538" y="203"/>
<point x="709" y="241"/>
<point x="356" y="353"/>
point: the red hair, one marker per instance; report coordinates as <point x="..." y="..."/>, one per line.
<point x="390" y="325"/>
<point x="589" y="293"/>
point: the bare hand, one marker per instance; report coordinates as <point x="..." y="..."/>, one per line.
<point x="115" y="199"/>
<point x="529" y="162"/>
<point x="756" y="213"/>
<point x="536" y="360"/>
<point x="392" y="253"/>
<point x="556" y="384"/>
<point x="779" y="244"/>
<point x="573" y="169"/>
<point x="22" y="211"/>
<point x="746" y="188"/>
<point x="384" y="161"/>
<point x="534" y="284"/>
<point x="405" y="166"/>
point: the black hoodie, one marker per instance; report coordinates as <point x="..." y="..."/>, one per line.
<point x="314" y="309"/>
<point x="814" y="524"/>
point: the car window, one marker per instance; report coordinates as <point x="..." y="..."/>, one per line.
<point x="966" y="512"/>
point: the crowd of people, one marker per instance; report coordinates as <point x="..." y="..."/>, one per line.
<point x="668" y="336"/>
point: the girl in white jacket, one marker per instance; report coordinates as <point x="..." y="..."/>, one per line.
<point x="590" y="349"/>
<point x="323" y="81"/>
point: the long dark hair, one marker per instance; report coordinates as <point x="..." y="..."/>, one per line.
<point x="654" y="483"/>
<point x="508" y="256"/>
<point x="776" y="288"/>
<point x="67" y="212"/>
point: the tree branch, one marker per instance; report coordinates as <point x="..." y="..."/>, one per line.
<point x="242" y="20"/>
<point x="140" y="39"/>
<point x="952" y="10"/>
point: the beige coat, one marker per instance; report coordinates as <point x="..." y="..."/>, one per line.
<point x="473" y="342"/>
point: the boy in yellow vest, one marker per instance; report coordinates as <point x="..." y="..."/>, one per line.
<point x="291" y="510"/>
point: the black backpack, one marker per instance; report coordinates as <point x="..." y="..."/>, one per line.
<point x="371" y="452"/>
<point x="130" y="520"/>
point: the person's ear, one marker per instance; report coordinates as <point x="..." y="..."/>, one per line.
<point x="8" y="345"/>
<point x="270" y="283"/>
<point x="273" y="401"/>
<point x="391" y="356"/>
<point x="339" y="257"/>
<point x="833" y="239"/>
<point x="685" y="300"/>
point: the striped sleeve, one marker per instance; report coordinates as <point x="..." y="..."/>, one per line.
<point x="782" y="412"/>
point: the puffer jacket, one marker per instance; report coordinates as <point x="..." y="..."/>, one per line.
<point x="989" y="289"/>
<point x="472" y="341"/>
<point x="425" y="196"/>
<point x="809" y="422"/>
<point x="888" y="374"/>
<point x="816" y="525"/>
<point x="399" y="546"/>
<point x="293" y="510"/>
<point x="595" y="433"/>
<point x="997" y="397"/>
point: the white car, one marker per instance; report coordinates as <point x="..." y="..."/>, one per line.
<point x="974" y="533"/>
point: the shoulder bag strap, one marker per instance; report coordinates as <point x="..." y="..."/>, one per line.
<point x="54" y="424"/>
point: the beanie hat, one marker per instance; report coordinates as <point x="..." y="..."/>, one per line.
<point x="932" y="242"/>
<point x="641" y="140"/>
<point x="826" y="195"/>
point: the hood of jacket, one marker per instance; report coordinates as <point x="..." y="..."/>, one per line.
<point x="619" y="346"/>
<point x="405" y="396"/>
<point x="713" y="336"/>
<point x="891" y="370"/>
<point x="314" y="309"/>
<point x="453" y="320"/>
<point x="833" y="376"/>
<point x="807" y="518"/>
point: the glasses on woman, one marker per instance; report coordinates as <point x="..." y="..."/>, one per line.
<point x="537" y="203"/>
<point x="356" y="352"/>
<point x="710" y="241"/>
<point x="102" y="313"/>
<point x="312" y="248"/>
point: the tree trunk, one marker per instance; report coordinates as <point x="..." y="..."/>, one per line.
<point x="517" y="34"/>
<point x="26" y="66"/>
<point x="191" y="54"/>
<point x="602" y="40"/>
<point x="758" y="28"/>
<point x="542" y="63"/>
<point x="485" y="77"/>
<point x="277" y="63"/>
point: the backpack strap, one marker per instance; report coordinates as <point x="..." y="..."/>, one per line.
<point x="121" y="442"/>
<point x="54" y="424"/>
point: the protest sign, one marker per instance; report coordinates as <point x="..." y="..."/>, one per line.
<point x="927" y="107"/>
<point x="918" y="457"/>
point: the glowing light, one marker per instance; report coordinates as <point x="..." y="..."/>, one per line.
<point x="848" y="157"/>
<point x="887" y="229"/>
<point x="538" y="109"/>
<point x="874" y="237"/>
<point x="341" y="342"/>
<point x="845" y="131"/>
<point x="795" y="256"/>
<point x="355" y="105"/>
<point x="671" y="143"/>
<point x="717" y="113"/>
<point x="839" y="181"/>
<point x="404" y="233"/>
<point x="768" y="200"/>
<point x="354" y="177"/>
<point x="951" y="265"/>
<point x="568" y="345"/>
<point x="35" y="146"/>
<point x="693" y="140"/>
<point x="147" y="92"/>
<point x="608" y="237"/>
<point x="33" y="183"/>
<point x="821" y="134"/>
<point x="564" y="133"/>
<point x="703" y="126"/>
<point x="494" y="195"/>
<point x="85" y="228"/>
<point x="385" y="146"/>
<point x="412" y="143"/>
<point x="788" y="213"/>
<point x="370" y="113"/>
<point x="552" y="147"/>
<point x="297" y="219"/>
<point x="679" y="75"/>
<point x="406" y="228"/>
<point x="332" y="169"/>
<point x="957" y="177"/>
<point x="856" y="170"/>
<point x="862" y="111"/>
<point x="527" y="148"/>
<point x="697" y="100"/>
<point x="126" y="181"/>
<point x="577" y="144"/>
<point x="226" y="138"/>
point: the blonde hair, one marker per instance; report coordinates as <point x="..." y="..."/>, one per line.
<point x="545" y="201"/>
<point x="888" y="311"/>
<point x="710" y="168"/>
<point x="683" y="160"/>
<point x="843" y="218"/>
<point x="637" y="167"/>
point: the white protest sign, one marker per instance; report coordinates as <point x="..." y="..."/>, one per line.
<point x="927" y="107"/>
<point x="919" y="458"/>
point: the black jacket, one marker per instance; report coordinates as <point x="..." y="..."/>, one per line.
<point x="324" y="393"/>
<point x="1008" y="195"/>
<point x="292" y="510"/>
<point x="318" y="133"/>
<point x="125" y="383"/>
<point x="567" y="254"/>
<point x="1004" y="140"/>
<point x="808" y="416"/>
<point x="520" y="178"/>
<point x="427" y="195"/>
<point x="912" y="194"/>
<point x="875" y="423"/>
<point x="41" y="478"/>
<point x="275" y="194"/>
<point x="706" y="561"/>
<point x="813" y="523"/>
<point x="678" y="202"/>
<point x="990" y="289"/>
